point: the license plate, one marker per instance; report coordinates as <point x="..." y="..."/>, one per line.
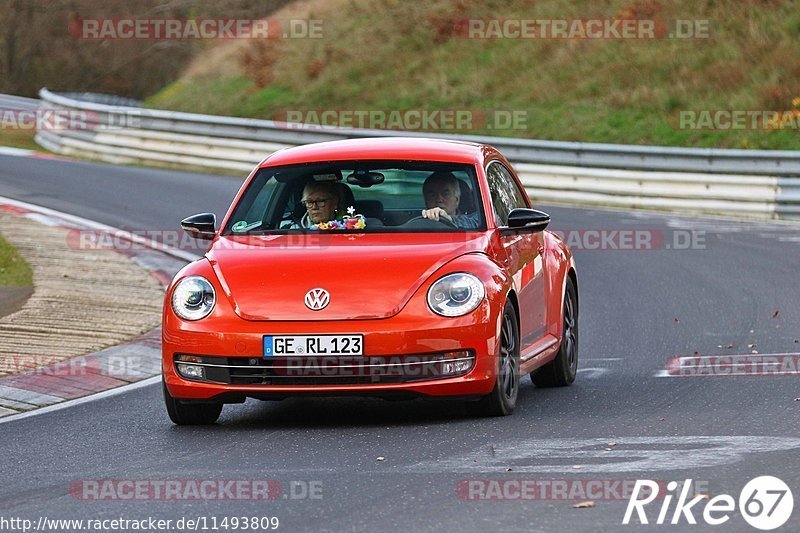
<point x="276" y="346"/>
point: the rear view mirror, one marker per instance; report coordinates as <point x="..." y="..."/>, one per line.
<point x="365" y="178"/>
<point x="202" y="226"/>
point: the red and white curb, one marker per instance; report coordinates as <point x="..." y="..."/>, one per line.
<point x="110" y="371"/>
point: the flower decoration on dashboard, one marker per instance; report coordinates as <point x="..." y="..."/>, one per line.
<point x="349" y="221"/>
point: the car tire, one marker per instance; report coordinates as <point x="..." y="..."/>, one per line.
<point x="503" y="398"/>
<point x="562" y="370"/>
<point x="190" y="414"/>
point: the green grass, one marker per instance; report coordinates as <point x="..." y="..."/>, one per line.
<point x="19" y="139"/>
<point x="14" y="270"/>
<point x="387" y="55"/>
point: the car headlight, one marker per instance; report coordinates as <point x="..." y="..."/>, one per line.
<point x="456" y="294"/>
<point x="193" y="298"/>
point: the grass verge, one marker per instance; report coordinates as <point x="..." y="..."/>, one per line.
<point x="14" y="270"/>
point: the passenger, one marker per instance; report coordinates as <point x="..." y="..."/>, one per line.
<point x="442" y="197"/>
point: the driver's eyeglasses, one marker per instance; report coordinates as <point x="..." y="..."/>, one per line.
<point x="314" y="203"/>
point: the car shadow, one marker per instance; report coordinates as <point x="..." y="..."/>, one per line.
<point x="329" y="412"/>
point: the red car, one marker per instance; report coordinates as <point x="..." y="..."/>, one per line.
<point x="391" y="267"/>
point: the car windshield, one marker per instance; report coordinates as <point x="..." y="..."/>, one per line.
<point x="360" y="196"/>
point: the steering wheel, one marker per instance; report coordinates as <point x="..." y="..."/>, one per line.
<point x="444" y="220"/>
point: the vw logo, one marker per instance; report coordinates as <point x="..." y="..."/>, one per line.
<point x="317" y="299"/>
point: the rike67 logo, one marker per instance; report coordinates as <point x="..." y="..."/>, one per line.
<point x="765" y="503"/>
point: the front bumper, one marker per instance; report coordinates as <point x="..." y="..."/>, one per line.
<point x="406" y="337"/>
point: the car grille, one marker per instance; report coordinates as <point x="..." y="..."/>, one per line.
<point x="328" y="370"/>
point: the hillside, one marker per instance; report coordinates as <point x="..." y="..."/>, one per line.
<point x="394" y="55"/>
<point x="40" y="44"/>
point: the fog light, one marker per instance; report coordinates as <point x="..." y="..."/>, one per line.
<point x="457" y="367"/>
<point x="191" y="371"/>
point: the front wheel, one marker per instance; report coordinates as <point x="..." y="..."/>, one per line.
<point x="190" y="414"/>
<point x="562" y="370"/>
<point x="503" y="398"/>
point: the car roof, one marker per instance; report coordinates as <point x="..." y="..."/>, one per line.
<point x="382" y="148"/>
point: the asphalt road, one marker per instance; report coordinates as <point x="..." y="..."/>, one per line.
<point x="638" y="308"/>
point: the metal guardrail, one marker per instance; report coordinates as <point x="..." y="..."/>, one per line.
<point x="751" y="183"/>
<point x="10" y="101"/>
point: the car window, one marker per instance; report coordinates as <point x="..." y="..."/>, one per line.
<point x="506" y="195"/>
<point x="389" y="196"/>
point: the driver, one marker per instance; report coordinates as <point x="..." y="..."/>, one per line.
<point x="442" y="196"/>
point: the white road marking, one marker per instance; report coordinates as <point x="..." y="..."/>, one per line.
<point x="592" y="373"/>
<point x="122" y="234"/>
<point x="20" y="152"/>
<point x="629" y="454"/>
<point x="85" y="399"/>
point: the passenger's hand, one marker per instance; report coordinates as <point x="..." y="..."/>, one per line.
<point x="435" y="212"/>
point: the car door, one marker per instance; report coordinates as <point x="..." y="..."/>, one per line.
<point x="523" y="254"/>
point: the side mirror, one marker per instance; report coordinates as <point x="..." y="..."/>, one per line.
<point x="528" y="220"/>
<point x="202" y="226"/>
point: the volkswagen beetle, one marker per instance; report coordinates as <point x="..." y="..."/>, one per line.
<point x="388" y="267"/>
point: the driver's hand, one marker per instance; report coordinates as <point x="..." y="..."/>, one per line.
<point x="435" y="212"/>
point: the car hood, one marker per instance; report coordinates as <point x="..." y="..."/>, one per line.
<point x="367" y="275"/>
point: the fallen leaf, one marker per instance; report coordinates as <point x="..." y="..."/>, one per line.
<point x="775" y="313"/>
<point x="584" y="505"/>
